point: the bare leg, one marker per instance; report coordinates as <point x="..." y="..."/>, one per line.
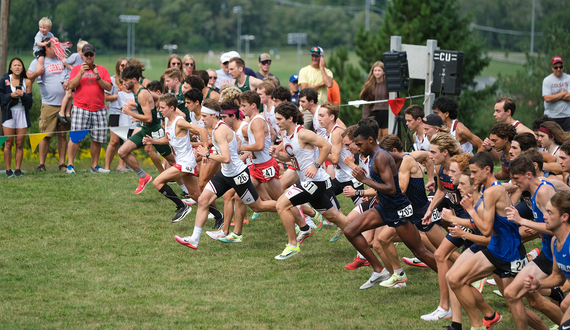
<point x="61" y="147"/>
<point x="111" y="150"/>
<point x="95" y="150"/>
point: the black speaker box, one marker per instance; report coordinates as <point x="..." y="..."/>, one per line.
<point x="396" y="71"/>
<point x="447" y="72"/>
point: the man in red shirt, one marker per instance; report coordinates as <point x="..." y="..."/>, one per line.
<point x="90" y="82"/>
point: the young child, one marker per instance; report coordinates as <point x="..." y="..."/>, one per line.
<point x="39" y="46"/>
<point x="75" y="59"/>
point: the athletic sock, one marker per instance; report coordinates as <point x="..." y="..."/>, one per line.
<point x="292" y="245"/>
<point x="565" y="325"/>
<point x="383" y="273"/>
<point x="481" y="328"/>
<point x="140" y="172"/>
<point x="400" y="271"/>
<point x="184" y="189"/>
<point x="169" y="193"/>
<point x="491" y="318"/>
<point x="358" y="254"/>
<point x="305" y="228"/>
<point x="196" y="234"/>
<point x="217" y="214"/>
<point x="456" y="326"/>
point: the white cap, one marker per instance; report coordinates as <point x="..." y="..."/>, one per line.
<point x="226" y="57"/>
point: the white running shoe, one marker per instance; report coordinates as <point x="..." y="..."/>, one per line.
<point x="491" y="281"/>
<point x="189" y="201"/>
<point x="374" y="281"/>
<point x="188" y="241"/>
<point x="216" y="234"/>
<point x="211" y="216"/>
<point x="436" y="315"/>
<point x="399" y="285"/>
<point x="310" y="222"/>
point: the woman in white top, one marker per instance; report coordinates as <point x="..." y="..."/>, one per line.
<point x="16" y="101"/>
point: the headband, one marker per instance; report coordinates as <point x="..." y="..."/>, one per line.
<point x="210" y="111"/>
<point x="229" y="111"/>
<point x="544" y="130"/>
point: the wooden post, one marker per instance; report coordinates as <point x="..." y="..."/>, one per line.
<point x="4" y="26"/>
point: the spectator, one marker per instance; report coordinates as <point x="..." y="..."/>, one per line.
<point x="555" y="90"/>
<point x="40" y="41"/>
<point x="374" y="89"/>
<point x="212" y="81"/>
<point x="224" y="76"/>
<point x="15" y="101"/>
<point x="174" y="61"/>
<point x="264" y="63"/>
<point x="333" y="93"/>
<point x="294" y="89"/>
<point x="90" y="82"/>
<point x="115" y="105"/>
<point x="64" y="115"/>
<point x="316" y="75"/>
<point x="189" y="65"/>
<point x="52" y="93"/>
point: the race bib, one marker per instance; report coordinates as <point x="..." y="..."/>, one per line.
<point x="328" y="183"/>
<point x="158" y="134"/>
<point x="435" y="215"/>
<point x="406" y="212"/>
<point x="268" y="172"/>
<point x="241" y="179"/>
<point x="453" y="197"/>
<point x="518" y="265"/>
<point x="356" y="183"/>
<point x="309" y="187"/>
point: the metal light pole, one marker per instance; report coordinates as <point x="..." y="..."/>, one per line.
<point x="367" y="19"/>
<point x="247" y="38"/>
<point x="532" y="30"/>
<point x="170" y="48"/>
<point x="238" y="10"/>
<point x="299" y="39"/>
<point x="130" y="20"/>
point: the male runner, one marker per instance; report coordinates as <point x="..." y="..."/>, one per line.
<point x="505" y="110"/>
<point x="499" y="140"/>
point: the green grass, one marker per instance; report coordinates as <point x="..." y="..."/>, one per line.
<point x="83" y="252"/>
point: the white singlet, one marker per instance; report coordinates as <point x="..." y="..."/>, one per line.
<point x="301" y="158"/>
<point x="239" y="134"/>
<point x="321" y="131"/>
<point x="363" y="163"/>
<point x="422" y="145"/>
<point x="235" y="166"/>
<point x="262" y="156"/>
<point x="343" y="173"/>
<point x="467" y="146"/>
<point x="270" y="118"/>
<point x="181" y="147"/>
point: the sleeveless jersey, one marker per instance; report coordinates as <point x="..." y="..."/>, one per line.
<point x="467" y="146"/>
<point x="209" y="92"/>
<point x="391" y="204"/>
<point x="416" y="192"/>
<point x="245" y="86"/>
<point x="422" y="145"/>
<point x="363" y="163"/>
<point x="155" y="120"/>
<point x="301" y="158"/>
<point x="563" y="257"/>
<point x="321" y="131"/>
<point x="505" y="239"/>
<point x="539" y="218"/>
<point x="239" y="134"/>
<point x="181" y="147"/>
<point x="453" y="194"/>
<point x="235" y="166"/>
<point x="516" y="123"/>
<point x="555" y="150"/>
<point x="504" y="162"/>
<point x="270" y="117"/>
<point x="262" y="156"/>
<point x="343" y="173"/>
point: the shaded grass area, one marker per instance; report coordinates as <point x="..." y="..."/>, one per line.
<point x="82" y="251"/>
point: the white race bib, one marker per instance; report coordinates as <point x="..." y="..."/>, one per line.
<point x="268" y="172"/>
<point x="309" y="187"/>
<point x="158" y="134"/>
<point x="406" y="212"/>
<point x="518" y="265"/>
<point x="241" y="179"/>
<point x="356" y="183"/>
<point x="435" y="215"/>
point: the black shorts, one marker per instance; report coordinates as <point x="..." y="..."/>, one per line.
<point x="563" y="122"/>
<point x="317" y="193"/>
<point x="458" y="241"/>
<point x="419" y="214"/>
<point x="505" y="268"/>
<point x="338" y="187"/>
<point x="394" y="222"/>
<point x="114" y="120"/>
<point x="476" y="248"/>
<point x="543" y="263"/>
<point x="241" y="183"/>
<point x="381" y="116"/>
<point x="41" y="52"/>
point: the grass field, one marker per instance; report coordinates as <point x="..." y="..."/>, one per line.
<point x="83" y="252"/>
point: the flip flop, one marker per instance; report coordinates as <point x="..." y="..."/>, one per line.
<point x="61" y="119"/>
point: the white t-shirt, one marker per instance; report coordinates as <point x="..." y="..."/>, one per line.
<point x="223" y="78"/>
<point x="552" y="85"/>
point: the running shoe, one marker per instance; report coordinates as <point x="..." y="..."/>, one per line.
<point x="219" y="222"/>
<point x="491" y="281"/>
<point x="373" y="281"/>
<point x="70" y="169"/>
<point x="211" y="216"/>
<point x="288" y="252"/>
<point x="496" y="319"/>
<point x="498" y="293"/>
<point x="143" y="183"/>
<point x="393" y="280"/>
<point x="318" y="220"/>
<point x="357" y="263"/>
<point x="42" y="168"/>
<point x="414" y="262"/>
<point x="9" y="174"/>
<point x="255" y="215"/>
<point x="479" y="285"/>
<point x="187" y="200"/>
<point x="304" y="234"/>
<point x="399" y="285"/>
<point x="438" y="314"/>
<point x="181" y="212"/>
<point x="18" y="172"/>
<point x="533" y="254"/>
<point x="231" y="238"/>
<point x="123" y="170"/>
<point x="297" y="229"/>
<point x="215" y="235"/>
<point x="188" y="241"/>
<point x="99" y="169"/>
<point x="337" y="235"/>
<point x="310" y="222"/>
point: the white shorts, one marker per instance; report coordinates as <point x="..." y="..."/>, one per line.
<point x="18" y="120"/>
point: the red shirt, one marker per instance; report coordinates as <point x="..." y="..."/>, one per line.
<point x="88" y="94"/>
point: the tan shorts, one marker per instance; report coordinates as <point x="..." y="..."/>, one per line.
<point x="48" y="120"/>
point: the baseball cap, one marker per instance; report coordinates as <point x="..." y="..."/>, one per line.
<point x="226" y="57"/>
<point x="88" y="48"/>
<point x="264" y="57"/>
<point x="433" y="120"/>
<point x="557" y="59"/>
<point x="294" y="78"/>
<point x="317" y="51"/>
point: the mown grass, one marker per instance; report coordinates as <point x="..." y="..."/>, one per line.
<point x="83" y="252"/>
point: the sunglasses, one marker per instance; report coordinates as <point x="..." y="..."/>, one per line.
<point x="213" y="78"/>
<point x="122" y="65"/>
<point x="189" y="64"/>
<point x="175" y="64"/>
<point x="89" y="55"/>
<point x="265" y="62"/>
<point x="558" y="67"/>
